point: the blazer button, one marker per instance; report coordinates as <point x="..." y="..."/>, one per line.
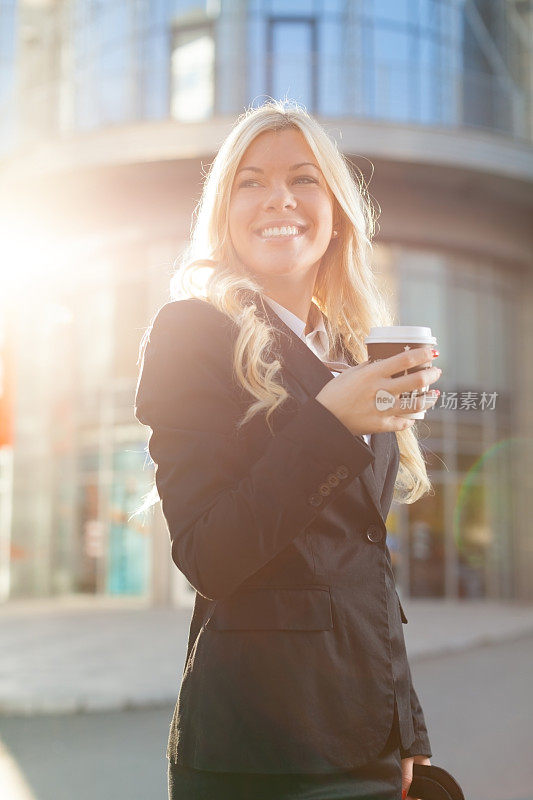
<point x="342" y="471"/>
<point x="315" y="500"/>
<point x="332" y="480"/>
<point x="374" y="533"/>
<point x="324" y="489"/>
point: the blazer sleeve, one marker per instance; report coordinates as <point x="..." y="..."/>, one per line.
<point x="421" y="745"/>
<point x="227" y="516"/>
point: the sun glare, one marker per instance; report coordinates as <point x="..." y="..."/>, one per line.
<point x="25" y="257"/>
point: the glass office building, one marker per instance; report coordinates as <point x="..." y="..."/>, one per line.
<point x="114" y="108"/>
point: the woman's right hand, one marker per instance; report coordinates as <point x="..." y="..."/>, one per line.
<point x="351" y="396"/>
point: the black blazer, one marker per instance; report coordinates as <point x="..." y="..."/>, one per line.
<point x="296" y="653"/>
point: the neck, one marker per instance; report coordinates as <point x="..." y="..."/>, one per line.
<point x="296" y="297"/>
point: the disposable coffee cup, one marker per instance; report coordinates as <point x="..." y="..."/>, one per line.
<point x="389" y="341"/>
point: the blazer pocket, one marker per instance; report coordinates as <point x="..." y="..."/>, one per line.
<point x="268" y="608"/>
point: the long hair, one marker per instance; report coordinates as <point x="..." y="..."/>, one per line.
<point x="345" y="290"/>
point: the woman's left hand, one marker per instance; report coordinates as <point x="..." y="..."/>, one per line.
<point x="407" y="773"/>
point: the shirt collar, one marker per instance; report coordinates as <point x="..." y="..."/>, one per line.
<point x="298" y="325"/>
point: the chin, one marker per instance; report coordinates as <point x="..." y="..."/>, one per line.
<point x="279" y="266"/>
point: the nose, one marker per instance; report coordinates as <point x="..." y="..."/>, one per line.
<point x="279" y="197"/>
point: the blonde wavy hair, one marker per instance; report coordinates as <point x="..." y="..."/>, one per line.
<point x="345" y="290"/>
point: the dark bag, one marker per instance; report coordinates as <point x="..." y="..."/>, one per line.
<point x="434" y="783"/>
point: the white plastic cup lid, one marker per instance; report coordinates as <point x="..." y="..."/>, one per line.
<point x="401" y="333"/>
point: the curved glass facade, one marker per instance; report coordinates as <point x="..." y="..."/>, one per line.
<point x="452" y="63"/>
<point x="458" y="542"/>
<point x="381" y="59"/>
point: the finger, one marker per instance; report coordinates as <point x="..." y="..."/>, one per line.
<point x="410" y="403"/>
<point x="389" y="404"/>
<point x="407" y="359"/>
<point x="407" y="775"/>
<point x="413" y="382"/>
<point x="398" y="423"/>
<point x="400" y="420"/>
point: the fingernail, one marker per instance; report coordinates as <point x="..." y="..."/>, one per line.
<point x="435" y="353"/>
<point x="404" y="794"/>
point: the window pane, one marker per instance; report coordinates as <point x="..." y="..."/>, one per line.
<point x="472" y="535"/>
<point x="426" y="545"/>
<point x="393" y="10"/>
<point x="290" y="6"/>
<point x="193" y="57"/>
<point x="428" y="14"/>
<point x="129" y="555"/>
<point x="292" y="61"/>
<point x="423" y="302"/>
<point x="104" y="63"/>
<point x="407" y="58"/>
<point x="498" y="331"/>
<point x="331" y="66"/>
<point x="8" y="36"/>
<point x="393" y="87"/>
<point x="468" y="344"/>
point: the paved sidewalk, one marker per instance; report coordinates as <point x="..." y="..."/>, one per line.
<point x="81" y="654"/>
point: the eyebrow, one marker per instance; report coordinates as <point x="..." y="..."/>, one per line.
<point x="294" y="166"/>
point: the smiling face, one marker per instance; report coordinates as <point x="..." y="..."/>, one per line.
<point x="281" y="209"/>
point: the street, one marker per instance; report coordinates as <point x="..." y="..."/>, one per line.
<point x="478" y="706"/>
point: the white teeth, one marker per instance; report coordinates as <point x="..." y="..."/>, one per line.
<point x="290" y="230"/>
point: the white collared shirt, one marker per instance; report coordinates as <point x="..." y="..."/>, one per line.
<point x="317" y="340"/>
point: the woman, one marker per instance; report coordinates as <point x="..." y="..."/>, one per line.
<point x="276" y="472"/>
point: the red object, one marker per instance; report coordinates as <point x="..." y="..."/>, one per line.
<point x="404" y="794"/>
<point x="435" y="353"/>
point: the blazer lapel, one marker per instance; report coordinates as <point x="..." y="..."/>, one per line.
<point x="311" y="374"/>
